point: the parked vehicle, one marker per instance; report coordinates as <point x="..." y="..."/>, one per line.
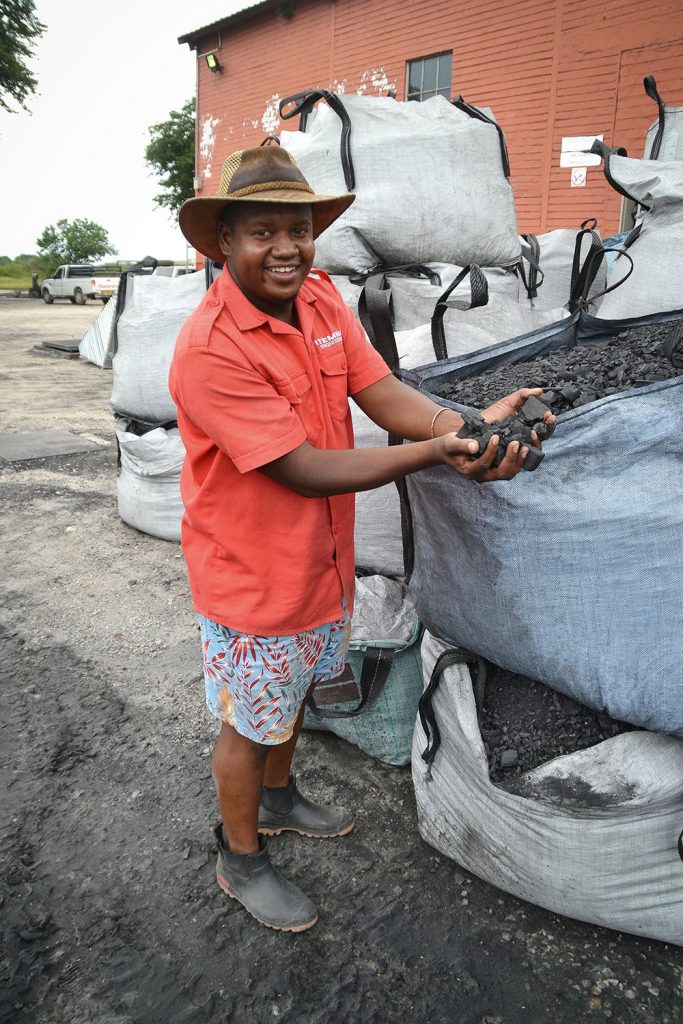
<point x="78" y="282"/>
<point x="174" y="271"/>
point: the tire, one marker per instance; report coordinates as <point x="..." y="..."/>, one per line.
<point x="71" y="298"/>
<point x="79" y="297"/>
<point x="47" y="297"/>
<point x="105" y="300"/>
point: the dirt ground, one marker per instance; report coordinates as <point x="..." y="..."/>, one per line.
<point x="109" y="910"/>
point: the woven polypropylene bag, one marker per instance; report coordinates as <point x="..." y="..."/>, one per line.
<point x="155" y="309"/>
<point x="148" y="483"/>
<point x="591" y="835"/>
<point x="429" y="181"/>
<point x="384" y="730"/>
<point x="572" y="575"/>
<point x="656" y="283"/>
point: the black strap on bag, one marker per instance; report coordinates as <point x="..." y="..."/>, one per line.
<point x="453" y="656"/>
<point x="303" y="105"/>
<point x="479" y="296"/>
<point x="606" y="153"/>
<point x="580" y="300"/>
<point x="584" y="273"/>
<point x="412" y="270"/>
<point x="374" y="312"/>
<point x="531" y="252"/>
<point x="650" y="86"/>
<point x="377" y="663"/>
<point x="479" y="115"/>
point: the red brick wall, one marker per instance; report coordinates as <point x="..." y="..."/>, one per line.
<point x="548" y="68"/>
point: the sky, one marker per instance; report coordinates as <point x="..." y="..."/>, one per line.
<point x="105" y="73"/>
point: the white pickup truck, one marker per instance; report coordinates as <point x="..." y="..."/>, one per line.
<point x="78" y="282"/>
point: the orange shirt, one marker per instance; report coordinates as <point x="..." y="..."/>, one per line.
<point x="249" y="389"/>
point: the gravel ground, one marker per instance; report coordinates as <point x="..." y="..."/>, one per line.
<point x="109" y="908"/>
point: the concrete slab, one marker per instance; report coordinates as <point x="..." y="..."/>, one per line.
<point x="39" y="444"/>
<point x="63" y="346"/>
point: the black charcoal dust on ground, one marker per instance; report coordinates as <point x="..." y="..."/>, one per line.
<point x="572" y="377"/>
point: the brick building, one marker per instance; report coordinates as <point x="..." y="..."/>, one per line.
<point x="550" y="69"/>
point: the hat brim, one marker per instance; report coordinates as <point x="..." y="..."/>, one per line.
<point x="199" y="217"/>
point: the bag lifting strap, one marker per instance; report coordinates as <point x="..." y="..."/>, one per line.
<point x="303" y="105"/>
<point x="453" y="656"/>
<point x="531" y="252"/>
<point x="479" y="296"/>
<point x="650" y="86"/>
<point x="377" y="663"/>
<point x="479" y="115"/>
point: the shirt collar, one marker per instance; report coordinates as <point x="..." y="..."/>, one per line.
<point x="246" y="315"/>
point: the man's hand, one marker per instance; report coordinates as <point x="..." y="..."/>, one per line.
<point x="509" y="405"/>
<point x="456" y="452"/>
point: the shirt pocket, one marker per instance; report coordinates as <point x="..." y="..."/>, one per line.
<point x="334" y="370"/>
<point x="294" y="388"/>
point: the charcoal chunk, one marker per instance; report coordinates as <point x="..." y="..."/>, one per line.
<point x="533" y="410"/>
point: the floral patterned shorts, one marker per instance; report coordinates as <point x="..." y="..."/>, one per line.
<point x="258" y="684"/>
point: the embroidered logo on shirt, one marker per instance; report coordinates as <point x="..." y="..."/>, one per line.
<point x="328" y="340"/>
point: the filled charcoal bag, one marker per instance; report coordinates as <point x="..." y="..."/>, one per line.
<point x="374" y="703"/>
<point x="431" y="180"/>
<point x="665" y="135"/>
<point x="591" y="835"/>
<point x="572" y="575"/>
<point x="148" y="482"/>
<point x="154" y="310"/>
<point x="554" y="261"/>
<point x="475" y="320"/>
<point x="652" y="281"/>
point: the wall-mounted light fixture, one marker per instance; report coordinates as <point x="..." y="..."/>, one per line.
<point x="212" y="61"/>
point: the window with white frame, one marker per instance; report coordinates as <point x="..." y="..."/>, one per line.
<point x="429" y="76"/>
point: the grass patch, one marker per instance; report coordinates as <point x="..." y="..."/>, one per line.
<point x="23" y="282"/>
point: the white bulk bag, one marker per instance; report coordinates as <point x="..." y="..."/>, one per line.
<point x="591" y="835"/>
<point x="148" y="484"/>
<point x="429" y="179"/>
<point x="155" y="309"/>
<point x="655" y="247"/>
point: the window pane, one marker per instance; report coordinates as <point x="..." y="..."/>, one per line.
<point x="445" y="92"/>
<point x="429" y="75"/>
<point x="444" y="76"/>
<point x="414" y="76"/>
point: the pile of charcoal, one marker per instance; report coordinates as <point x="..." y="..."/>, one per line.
<point x="572" y="377"/>
<point x="524" y="723"/>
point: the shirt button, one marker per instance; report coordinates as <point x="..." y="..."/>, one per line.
<point x="214" y="302"/>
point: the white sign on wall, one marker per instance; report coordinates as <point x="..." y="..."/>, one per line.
<point x="574" y="151"/>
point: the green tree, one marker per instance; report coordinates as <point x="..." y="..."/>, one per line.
<point x="170" y="154"/>
<point x="19" y="30"/>
<point x="75" y="241"/>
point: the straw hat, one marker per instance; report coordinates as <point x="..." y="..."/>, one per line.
<point x="267" y="174"/>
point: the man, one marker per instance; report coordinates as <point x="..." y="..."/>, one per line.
<point x="261" y="376"/>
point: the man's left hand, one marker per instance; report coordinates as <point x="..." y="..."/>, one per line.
<point x="509" y="405"/>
